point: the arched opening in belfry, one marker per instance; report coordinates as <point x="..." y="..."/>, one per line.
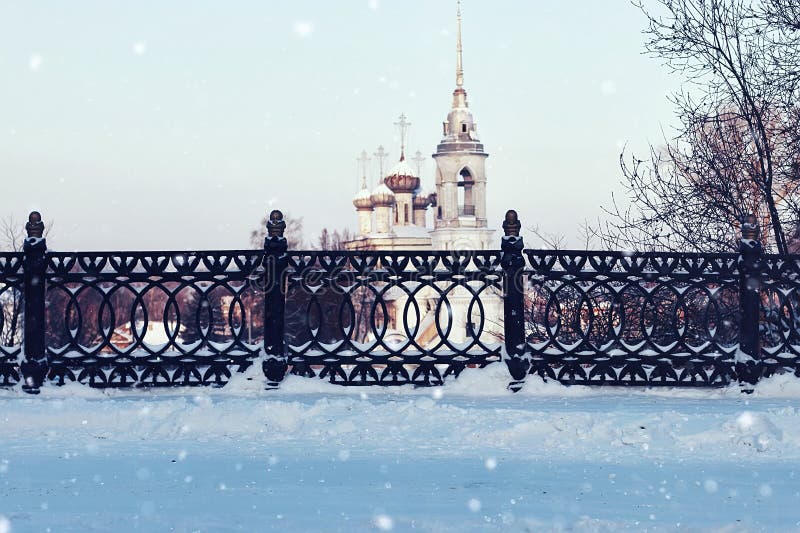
<point x="466" y="205"/>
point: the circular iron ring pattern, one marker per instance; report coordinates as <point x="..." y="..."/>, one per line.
<point x="631" y="318"/>
<point x="393" y="318"/>
<point x="102" y="310"/>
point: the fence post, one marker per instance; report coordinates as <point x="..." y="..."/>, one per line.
<point x="34" y="364"/>
<point x="748" y="357"/>
<point x="275" y="262"/>
<point x="513" y="301"/>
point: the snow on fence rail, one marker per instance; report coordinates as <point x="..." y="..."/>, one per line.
<point x="119" y="319"/>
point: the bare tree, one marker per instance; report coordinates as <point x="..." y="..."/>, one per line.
<point x="736" y="149"/>
<point x="553" y="241"/>
<point x="11" y="238"/>
<point x="333" y="240"/>
<point x="785" y="14"/>
<point x="12" y="234"/>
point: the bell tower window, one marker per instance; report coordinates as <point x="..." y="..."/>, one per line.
<point x="463" y="127"/>
<point x="466" y="205"/>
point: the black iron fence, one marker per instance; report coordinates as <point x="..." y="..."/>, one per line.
<point x="120" y="319"/>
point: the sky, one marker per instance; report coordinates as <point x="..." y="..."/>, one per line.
<point x="174" y="125"/>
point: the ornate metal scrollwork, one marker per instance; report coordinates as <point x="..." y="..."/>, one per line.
<point x="116" y="319"/>
<point x="393" y="318"/>
<point x="142" y="318"/>
<point x="11" y="316"/>
<point x="780" y="314"/>
<point x="632" y="318"/>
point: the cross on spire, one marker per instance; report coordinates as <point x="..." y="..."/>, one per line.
<point x="380" y="155"/>
<point x="403" y="124"/>
<point x="363" y="159"/>
<point x="418" y="159"/>
<point x="459" y="63"/>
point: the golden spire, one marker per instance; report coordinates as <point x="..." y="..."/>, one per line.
<point x="459" y="64"/>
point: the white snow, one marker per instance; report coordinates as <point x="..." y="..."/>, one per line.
<point x="469" y="456"/>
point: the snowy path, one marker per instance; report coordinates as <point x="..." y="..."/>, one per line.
<point x="311" y="457"/>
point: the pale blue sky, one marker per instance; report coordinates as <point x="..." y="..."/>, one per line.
<point x="161" y="125"/>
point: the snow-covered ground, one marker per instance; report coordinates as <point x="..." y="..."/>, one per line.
<point x="466" y="457"/>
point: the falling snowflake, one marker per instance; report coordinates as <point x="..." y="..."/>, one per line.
<point x="745" y="421"/>
<point x="608" y="87"/>
<point x="35" y="62"/>
<point x="303" y="28"/>
<point x="139" y="48"/>
<point x="383" y="522"/>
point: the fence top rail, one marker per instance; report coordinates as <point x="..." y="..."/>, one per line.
<point x="540" y="261"/>
<point x="626" y="264"/>
<point x="158" y="263"/>
<point x="10" y="265"/>
<point x="782" y="267"/>
<point x="634" y="253"/>
<point x="423" y="262"/>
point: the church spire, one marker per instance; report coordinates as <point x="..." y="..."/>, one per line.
<point x="459" y="62"/>
<point x="459" y="95"/>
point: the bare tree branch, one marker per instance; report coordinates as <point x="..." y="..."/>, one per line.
<point x="736" y="150"/>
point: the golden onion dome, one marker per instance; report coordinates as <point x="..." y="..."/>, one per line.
<point x="402" y="178"/>
<point x="382" y="196"/>
<point x="363" y="200"/>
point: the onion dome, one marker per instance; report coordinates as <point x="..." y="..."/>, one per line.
<point x="363" y="200"/>
<point x="401" y="179"/>
<point x="382" y="196"/>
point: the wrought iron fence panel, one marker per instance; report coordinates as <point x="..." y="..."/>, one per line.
<point x="152" y="318"/>
<point x="392" y="318"/>
<point x="11" y="316"/>
<point x="631" y="318"/>
<point x="116" y="319"/>
<point x="780" y="314"/>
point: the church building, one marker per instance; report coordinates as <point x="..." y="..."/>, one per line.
<point x="393" y="216"/>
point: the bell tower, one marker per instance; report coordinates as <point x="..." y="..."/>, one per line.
<point x="460" y="214"/>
